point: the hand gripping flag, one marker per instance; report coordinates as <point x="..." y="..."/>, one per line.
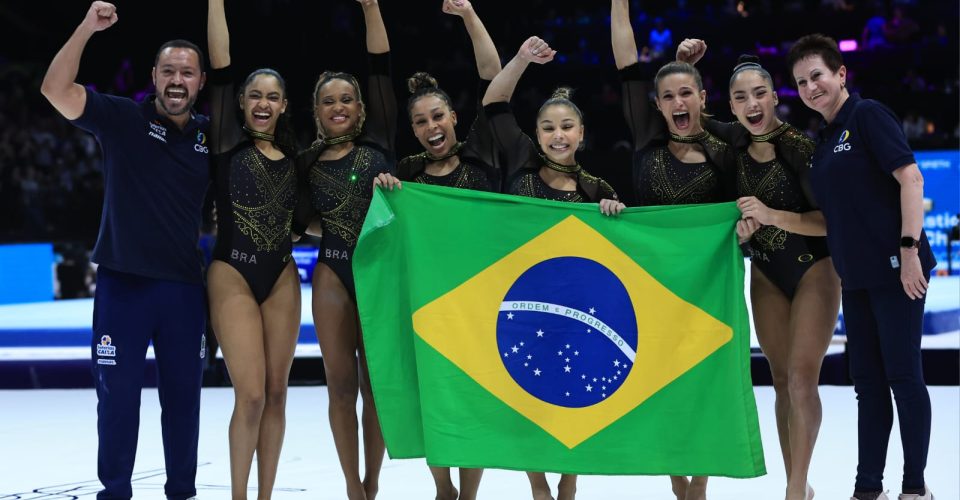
<point x="526" y="334"/>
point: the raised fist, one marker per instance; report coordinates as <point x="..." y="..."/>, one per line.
<point x="100" y="16"/>
<point x="456" y="7"/>
<point x="691" y="50"/>
<point x="536" y="50"/>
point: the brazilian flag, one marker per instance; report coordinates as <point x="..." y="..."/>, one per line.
<point x="515" y="333"/>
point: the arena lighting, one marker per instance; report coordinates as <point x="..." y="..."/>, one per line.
<point x="848" y="45"/>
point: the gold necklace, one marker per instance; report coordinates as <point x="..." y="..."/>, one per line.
<point x="689" y="139"/>
<point x="771" y="135"/>
<point x="567" y="169"/>
<point x="263" y="136"/>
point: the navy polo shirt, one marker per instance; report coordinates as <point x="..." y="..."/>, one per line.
<point x="851" y="177"/>
<point x="155" y="179"/>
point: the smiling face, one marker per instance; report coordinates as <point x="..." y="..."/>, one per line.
<point x="820" y="88"/>
<point x="681" y="101"/>
<point x="754" y="102"/>
<point x="434" y="124"/>
<point x="262" y="103"/>
<point x="559" y="133"/>
<point x="338" y="109"/>
<point x="178" y="80"/>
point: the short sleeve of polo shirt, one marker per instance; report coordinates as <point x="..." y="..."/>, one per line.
<point x="884" y="136"/>
<point x="101" y="111"/>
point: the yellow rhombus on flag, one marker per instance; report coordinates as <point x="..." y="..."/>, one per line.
<point x="672" y="335"/>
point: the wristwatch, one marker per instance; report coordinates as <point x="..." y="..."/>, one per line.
<point x="909" y="242"/>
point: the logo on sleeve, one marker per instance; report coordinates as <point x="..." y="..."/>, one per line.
<point x="200" y="146"/>
<point x="842" y="144"/>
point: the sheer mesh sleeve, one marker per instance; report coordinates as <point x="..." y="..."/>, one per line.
<point x="225" y="126"/>
<point x="731" y="133"/>
<point x="516" y="149"/>
<point x="796" y="150"/>
<point x="381" y="124"/>
<point x="643" y="119"/>
<point x="479" y="145"/>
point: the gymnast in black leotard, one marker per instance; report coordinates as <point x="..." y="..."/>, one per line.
<point x="782" y="256"/>
<point x="355" y="150"/>
<point x="549" y="172"/>
<point x="253" y="285"/>
<point x="675" y="160"/>
<point x="794" y="289"/>
<point x="444" y="161"/>
<point x="255" y="194"/>
<point x="471" y="164"/>
<point x="340" y="194"/>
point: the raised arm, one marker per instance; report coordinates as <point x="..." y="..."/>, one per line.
<point x="516" y="149"/>
<point x="218" y="36"/>
<point x="381" y="124"/>
<point x="377" y="41"/>
<point x="225" y="131"/>
<point x="621" y="34"/>
<point x="59" y="84"/>
<point x="485" y="52"/>
<point x="503" y="85"/>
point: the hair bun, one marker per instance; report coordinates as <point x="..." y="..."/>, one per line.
<point x="421" y="80"/>
<point x="746" y="61"/>
<point x="562" y="93"/>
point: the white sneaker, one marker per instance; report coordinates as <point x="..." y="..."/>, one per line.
<point x="928" y="495"/>
<point x="881" y="496"/>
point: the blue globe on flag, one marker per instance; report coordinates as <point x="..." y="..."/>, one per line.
<point x="567" y="332"/>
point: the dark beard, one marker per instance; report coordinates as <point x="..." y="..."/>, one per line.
<point x="186" y="109"/>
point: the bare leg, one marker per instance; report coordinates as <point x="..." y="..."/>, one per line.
<point x="335" y="320"/>
<point x="373" y="445"/>
<point x="567" y="489"/>
<point x="441" y="478"/>
<point x="235" y="316"/>
<point x="469" y="483"/>
<point x="539" y="486"/>
<point x="771" y="318"/>
<point x="679" y="484"/>
<point x="698" y="488"/>
<point x="812" y="319"/>
<point x="281" y="327"/>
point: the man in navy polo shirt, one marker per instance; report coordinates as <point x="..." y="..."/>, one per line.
<point x="149" y="283"/>
<point x="866" y="181"/>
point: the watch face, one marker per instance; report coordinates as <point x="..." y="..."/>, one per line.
<point x="909" y="242"/>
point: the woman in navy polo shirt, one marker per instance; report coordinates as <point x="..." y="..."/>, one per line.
<point x="866" y="181"/>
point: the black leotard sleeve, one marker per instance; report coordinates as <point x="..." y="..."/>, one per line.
<point x="518" y="152"/>
<point x="644" y="121"/>
<point x="225" y="128"/>
<point x="480" y="149"/>
<point x="380" y="128"/>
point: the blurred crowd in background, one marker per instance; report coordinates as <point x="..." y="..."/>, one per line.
<point x="900" y="52"/>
